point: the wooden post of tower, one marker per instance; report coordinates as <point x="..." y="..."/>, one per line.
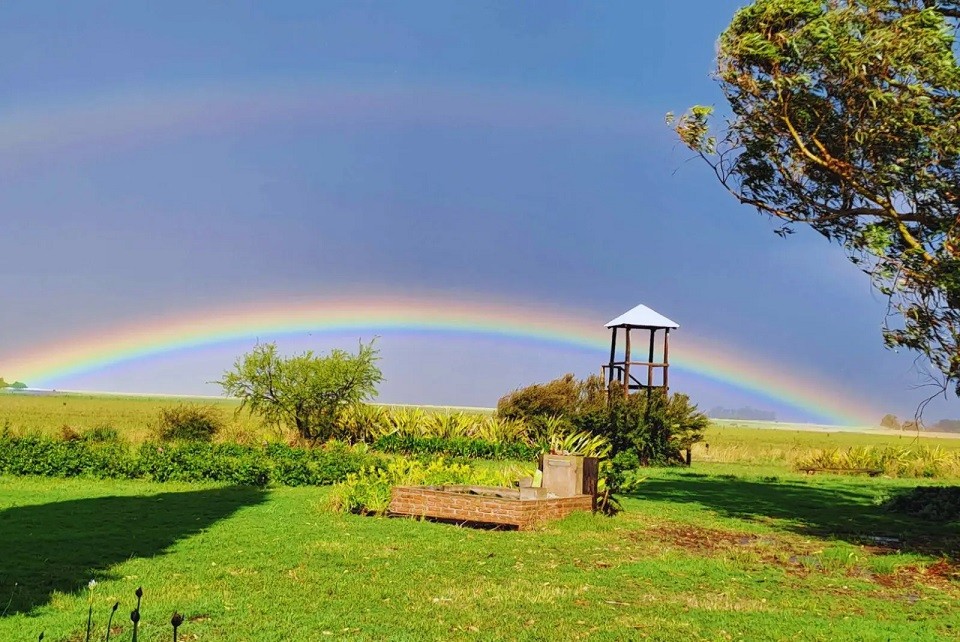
<point x="613" y="356"/>
<point x="666" y="360"/>
<point x="626" y="364"/>
<point x="653" y="333"/>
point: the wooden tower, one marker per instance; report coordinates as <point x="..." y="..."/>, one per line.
<point x="639" y="375"/>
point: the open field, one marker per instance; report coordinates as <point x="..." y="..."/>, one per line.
<point x="698" y="555"/>
<point x="134" y="416"/>
<point x="738" y="444"/>
<point x="736" y="547"/>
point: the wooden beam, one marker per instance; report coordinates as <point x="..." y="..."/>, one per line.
<point x="613" y="355"/>
<point x="650" y="360"/>
<point x="666" y="360"/>
<point x="626" y="364"/>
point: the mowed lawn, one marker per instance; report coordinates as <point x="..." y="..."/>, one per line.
<point x="698" y="554"/>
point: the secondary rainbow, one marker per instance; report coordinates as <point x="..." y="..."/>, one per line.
<point x="49" y="364"/>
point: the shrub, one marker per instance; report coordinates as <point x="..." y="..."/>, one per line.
<point x="328" y="464"/>
<point x="69" y="433"/>
<point x="934" y="503"/>
<point x="188" y="422"/>
<point x="101" y="434"/>
<point x="457" y="447"/>
<point x="54" y="458"/>
<point x="563" y="397"/>
<point x="655" y="426"/>
<point x="200" y="462"/>
<point x="182" y="461"/>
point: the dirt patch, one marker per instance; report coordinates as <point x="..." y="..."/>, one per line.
<point x="709" y="540"/>
<point x="799" y="558"/>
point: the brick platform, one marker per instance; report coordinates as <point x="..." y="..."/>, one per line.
<point x="458" y="504"/>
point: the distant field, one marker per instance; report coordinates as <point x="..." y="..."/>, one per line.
<point x="134" y="416"/>
<point x="735" y="443"/>
<point x="742" y="442"/>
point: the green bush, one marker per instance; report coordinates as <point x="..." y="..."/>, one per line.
<point x="563" y="397"/>
<point x="54" y="458"/>
<point x="188" y="422"/>
<point x="457" y="447"/>
<point x="934" y="503"/>
<point x="199" y="462"/>
<point x="182" y="461"/>
<point x="655" y="426"/>
<point x="328" y="464"/>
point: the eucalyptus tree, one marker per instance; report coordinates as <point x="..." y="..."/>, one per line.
<point x="844" y="115"/>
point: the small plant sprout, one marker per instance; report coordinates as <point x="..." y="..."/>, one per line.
<point x="176" y="621"/>
<point x="135" y="613"/>
<point x="113" y="611"/>
<point x="92" y="584"/>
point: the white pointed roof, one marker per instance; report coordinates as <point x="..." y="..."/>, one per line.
<point x="644" y="317"/>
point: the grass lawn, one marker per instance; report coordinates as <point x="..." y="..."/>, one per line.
<point x="699" y="554"/>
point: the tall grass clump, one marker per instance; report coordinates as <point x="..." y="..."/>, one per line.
<point x="188" y="422"/>
<point x="917" y="462"/>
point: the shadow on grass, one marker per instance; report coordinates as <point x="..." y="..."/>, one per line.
<point x="61" y="546"/>
<point x="827" y="510"/>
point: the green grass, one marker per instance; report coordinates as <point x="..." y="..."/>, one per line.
<point x="698" y="555"/>
<point x="738" y="547"/>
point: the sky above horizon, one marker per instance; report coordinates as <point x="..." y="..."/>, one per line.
<point x="164" y="159"/>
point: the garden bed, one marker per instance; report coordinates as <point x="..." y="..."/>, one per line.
<point x="483" y="505"/>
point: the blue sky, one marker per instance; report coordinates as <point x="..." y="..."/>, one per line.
<point x="168" y="156"/>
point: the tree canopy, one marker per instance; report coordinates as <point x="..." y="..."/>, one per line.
<point x="845" y="116"/>
<point x="305" y="392"/>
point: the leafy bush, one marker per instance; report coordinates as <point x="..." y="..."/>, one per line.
<point x="368" y="491"/>
<point x="328" y="464"/>
<point x="182" y="461"/>
<point x="199" y="462"/>
<point x="563" y="397"/>
<point x="457" y="447"/>
<point x="656" y="426"/>
<point x="934" y="503"/>
<point x="54" y="458"/>
<point x="188" y="422"/>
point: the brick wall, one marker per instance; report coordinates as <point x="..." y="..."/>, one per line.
<point x="423" y="501"/>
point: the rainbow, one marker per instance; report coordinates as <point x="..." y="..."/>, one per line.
<point x="138" y="116"/>
<point x="45" y="365"/>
